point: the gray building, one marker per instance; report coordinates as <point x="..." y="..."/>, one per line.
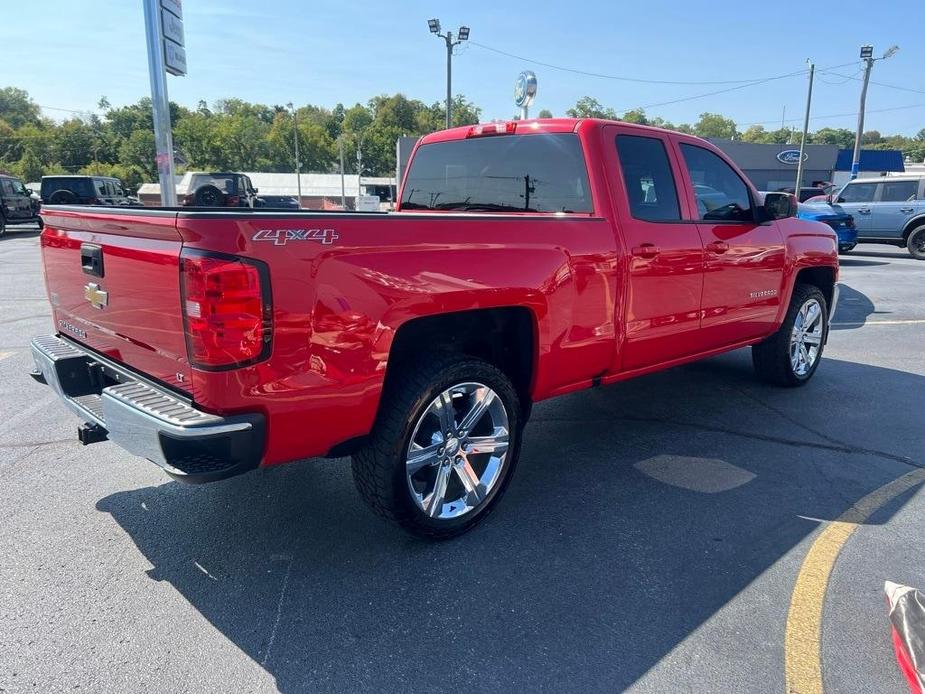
<point x="772" y="167"/>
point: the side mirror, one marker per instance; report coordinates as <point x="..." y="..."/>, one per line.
<point x="256" y="190"/>
<point x="28" y="191"/>
<point x="780" y="205"/>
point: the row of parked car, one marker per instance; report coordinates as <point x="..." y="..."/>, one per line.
<point x="21" y="205"/>
<point x="884" y="210"/>
<point x="889" y="210"/>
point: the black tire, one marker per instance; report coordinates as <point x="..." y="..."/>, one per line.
<point x="209" y="196"/>
<point x="2" y="225"/>
<point x="771" y="358"/>
<point x="847" y="249"/>
<point x="915" y="244"/>
<point x="62" y="197"/>
<point x="379" y="469"/>
<point x="41" y="223"/>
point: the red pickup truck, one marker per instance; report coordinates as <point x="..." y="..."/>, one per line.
<point x="527" y="259"/>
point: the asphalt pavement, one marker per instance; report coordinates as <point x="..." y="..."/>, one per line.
<point x="650" y="540"/>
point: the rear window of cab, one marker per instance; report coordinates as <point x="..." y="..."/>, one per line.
<point x="543" y="172"/>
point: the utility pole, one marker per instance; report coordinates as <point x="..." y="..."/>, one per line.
<point x="462" y="35"/>
<point x="343" y="194"/>
<point x="809" y="102"/>
<point x="867" y="53"/>
<point x="298" y="164"/>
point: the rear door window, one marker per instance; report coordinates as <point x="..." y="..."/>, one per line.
<point x="99" y="187"/>
<point x="858" y="192"/>
<point x="898" y="191"/>
<point x="501" y="173"/>
<point x="650" y="187"/>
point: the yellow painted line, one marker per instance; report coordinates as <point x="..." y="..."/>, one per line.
<point x="4" y="355"/>
<point x="802" y="648"/>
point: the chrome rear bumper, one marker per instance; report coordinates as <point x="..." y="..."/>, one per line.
<point x="147" y="420"/>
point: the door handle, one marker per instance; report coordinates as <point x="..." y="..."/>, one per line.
<point x="646" y="250"/>
<point x="866" y="210"/>
<point x="718" y="246"/>
<point x="906" y="210"/>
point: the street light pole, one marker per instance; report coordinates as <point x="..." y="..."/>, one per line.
<point x="867" y="53"/>
<point x="462" y="35"/>
<point x="298" y="164"/>
<point x="449" y="78"/>
<point x="809" y="102"/>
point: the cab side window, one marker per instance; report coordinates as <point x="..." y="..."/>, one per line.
<point x="6" y="188"/>
<point x="722" y="195"/>
<point x="858" y="192"/>
<point x="650" y="185"/>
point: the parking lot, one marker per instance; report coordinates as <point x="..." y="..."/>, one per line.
<point x="652" y="538"/>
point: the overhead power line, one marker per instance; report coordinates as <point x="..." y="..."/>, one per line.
<point x="832" y="115"/>
<point x="638" y="80"/>
<point x="879" y="84"/>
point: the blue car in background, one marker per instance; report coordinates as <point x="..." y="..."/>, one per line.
<point x="833" y="215"/>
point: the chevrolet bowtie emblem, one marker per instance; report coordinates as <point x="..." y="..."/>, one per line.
<point x="96" y="296"/>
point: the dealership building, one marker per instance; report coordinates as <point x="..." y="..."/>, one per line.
<point x="772" y="167"/>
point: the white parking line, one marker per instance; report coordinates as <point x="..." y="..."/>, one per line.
<point x="907" y="321"/>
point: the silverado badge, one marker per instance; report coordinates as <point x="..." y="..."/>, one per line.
<point x="96" y="296"/>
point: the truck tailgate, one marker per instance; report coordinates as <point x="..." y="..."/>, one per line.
<point x="113" y="281"/>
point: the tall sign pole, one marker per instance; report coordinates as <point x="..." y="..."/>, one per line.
<point x="809" y="102"/>
<point x="164" y="33"/>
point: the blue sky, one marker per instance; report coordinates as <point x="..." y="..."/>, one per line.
<point x="324" y="52"/>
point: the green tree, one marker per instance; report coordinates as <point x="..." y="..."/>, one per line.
<point x="29" y="167"/>
<point x="589" y="107"/>
<point x="842" y="137"/>
<point x="17" y="109"/>
<point x="636" y="115"/>
<point x="138" y="151"/>
<point x="545" y="113"/>
<point x="715" y="125"/>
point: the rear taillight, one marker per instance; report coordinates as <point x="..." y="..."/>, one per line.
<point x="227" y="312"/>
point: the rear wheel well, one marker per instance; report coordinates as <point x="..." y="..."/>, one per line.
<point x="914" y="224"/>
<point x="504" y="337"/>
<point x="821" y="277"/>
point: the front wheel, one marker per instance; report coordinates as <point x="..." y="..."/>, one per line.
<point x="2" y="225"/>
<point x="791" y="356"/>
<point x="916" y="243"/>
<point x="444" y="447"/>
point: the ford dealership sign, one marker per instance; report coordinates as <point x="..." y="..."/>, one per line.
<point x="791" y="156"/>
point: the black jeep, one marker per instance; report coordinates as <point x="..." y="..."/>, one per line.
<point x="16" y="204"/>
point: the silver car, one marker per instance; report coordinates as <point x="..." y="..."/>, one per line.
<point x="887" y="210"/>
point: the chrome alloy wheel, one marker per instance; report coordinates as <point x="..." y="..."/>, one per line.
<point x="458" y="450"/>
<point x="806" y="337"/>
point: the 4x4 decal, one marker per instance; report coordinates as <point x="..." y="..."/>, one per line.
<point x="280" y="237"/>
